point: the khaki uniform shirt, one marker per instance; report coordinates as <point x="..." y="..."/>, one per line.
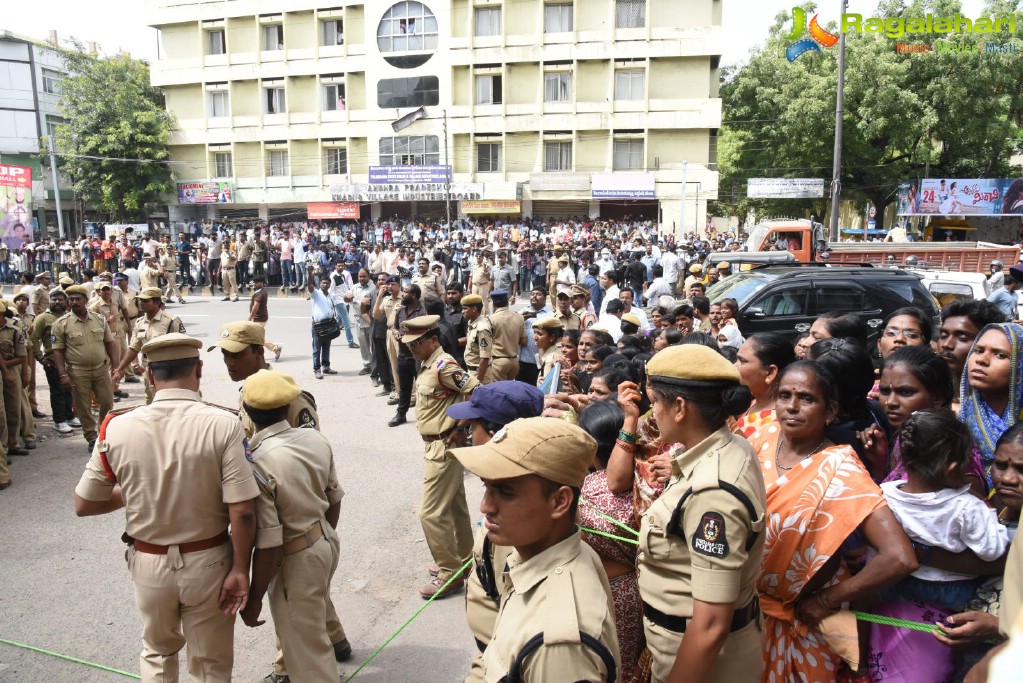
<point x="712" y="564"/>
<point x="297" y="482"/>
<point x="40" y="335"/>
<point x="429" y="285"/>
<point x="545" y="361"/>
<point x="146" y="330"/>
<point x="569" y="322"/>
<point x="27" y="323"/>
<point x="131" y="303"/>
<point x="176" y="483"/>
<point x="441" y="382"/>
<point x="12" y="340"/>
<point x="390" y="306"/>
<point x="109" y="313"/>
<point x="40" y="298"/>
<point x="481" y="274"/>
<point x="559" y="593"/>
<point x="507" y="325"/>
<point x="169" y="263"/>
<point x="479" y="341"/>
<point x="83" y="341"/>
<point x="230" y="258"/>
<point x="149" y="277"/>
<point x="301" y="413"/>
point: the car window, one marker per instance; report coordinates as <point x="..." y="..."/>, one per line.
<point x="740" y="286"/>
<point x="947" y="292"/>
<point x="789" y="301"/>
<point x="844" y="297"/>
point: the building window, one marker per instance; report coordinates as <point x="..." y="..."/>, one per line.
<point x="488" y="21"/>
<point x="334" y="97"/>
<point x="51" y="81"/>
<point x="274" y="99"/>
<point x="215" y="42"/>
<point x="628" y="155"/>
<point x="488" y="89"/>
<point x="333" y="32"/>
<point x="410" y="150"/>
<point x="273" y="37"/>
<point x="630" y="13"/>
<point x="415" y="91"/>
<point x="219" y="104"/>
<point x="557" y="86"/>
<point x="557" y="18"/>
<point x="222" y="165"/>
<point x="629" y="84"/>
<point x="407" y="27"/>
<point x="335" y="161"/>
<point x="488" y="157"/>
<point x="557" y="156"/>
<point x="51" y="126"/>
<point x="277" y="162"/>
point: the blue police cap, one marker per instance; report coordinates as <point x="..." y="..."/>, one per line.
<point x="500" y="293"/>
<point x="500" y="403"/>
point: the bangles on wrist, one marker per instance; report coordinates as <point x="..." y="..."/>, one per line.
<point x="625" y="446"/>
<point x="628" y="437"/>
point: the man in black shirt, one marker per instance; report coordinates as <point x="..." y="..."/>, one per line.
<point x="453" y="316"/>
<point x="411" y="307"/>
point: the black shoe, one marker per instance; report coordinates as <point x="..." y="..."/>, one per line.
<point x="91" y="445"/>
<point x="343" y="651"/>
<point x="31" y="445"/>
<point x="385" y="392"/>
<point x="328" y="371"/>
<point x="121" y="394"/>
<point x="365" y="371"/>
<point x="37" y="415"/>
<point x="353" y="345"/>
<point x="24" y="451"/>
<point x="398" y="419"/>
<point x="392" y="401"/>
<point x="226" y="298"/>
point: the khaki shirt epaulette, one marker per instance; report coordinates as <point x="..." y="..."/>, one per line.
<point x="301" y="413"/>
<point x="479" y="341"/>
<point x="507" y="326"/>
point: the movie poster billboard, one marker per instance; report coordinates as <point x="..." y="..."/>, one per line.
<point x="206" y="192"/>
<point x="15" y="205"/>
<point x="961" y="197"/>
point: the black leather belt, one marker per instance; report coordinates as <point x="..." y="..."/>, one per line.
<point x="504" y="357"/>
<point x="480" y="645"/>
<point x="740" y="618"/>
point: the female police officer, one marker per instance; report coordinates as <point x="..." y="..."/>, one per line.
<point x="701" y="541"/>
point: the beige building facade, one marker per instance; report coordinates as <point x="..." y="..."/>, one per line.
<point x="582" y="107"/>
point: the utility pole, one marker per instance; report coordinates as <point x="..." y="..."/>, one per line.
<point x="836" y="170"/>
<point x="447" y="172"/>
<point x="56" y="187"/>
<point x="682" y="216"/>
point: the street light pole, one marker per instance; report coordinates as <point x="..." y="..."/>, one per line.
<point x="836" y="170"/>
<point x="56" y="188"/>
<point x="447" y="172"/>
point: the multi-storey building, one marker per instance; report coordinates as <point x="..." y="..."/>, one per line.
<point x="541" y="108"/>
<point x="30" y="74"/>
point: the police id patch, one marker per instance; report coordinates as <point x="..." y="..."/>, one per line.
<point x="710" y="538"/>
<point x="460" y="379"/>
<point x="306" y="419"/>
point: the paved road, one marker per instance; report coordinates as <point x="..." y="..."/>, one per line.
<point x="65" y="586"/>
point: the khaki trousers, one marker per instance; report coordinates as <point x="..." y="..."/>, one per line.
<point x="172" y="292"/>
<point x="267" y="344"/>
<point x="178" y="597"/>
<point x="443" y="511"/>
<point x="300" y="605"/>
<point x="230" y="278"/>
<point x="484" y="293"/>
<point x="392" y="355"/>
<point x="5" y="473"/>
<point x="28" y="423"/>
<point x="12" y="407"/>
<point x="741" y="659"/>
<point x="501" y="369"/>
<point x="32" y="387"/>
<point x="85" y="383"/>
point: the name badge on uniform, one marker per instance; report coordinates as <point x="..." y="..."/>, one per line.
<point x="710" y="538"/>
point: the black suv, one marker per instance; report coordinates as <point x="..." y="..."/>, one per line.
<point x="788" y="298"/>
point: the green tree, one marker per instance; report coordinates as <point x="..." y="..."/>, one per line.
<point x="113" y="146"/>
<point x="956" y="113"/>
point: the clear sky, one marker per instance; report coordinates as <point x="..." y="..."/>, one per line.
<point x="121" y="23"/>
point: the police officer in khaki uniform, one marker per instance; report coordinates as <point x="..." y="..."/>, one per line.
<point x="429" y="283"/>
<point x="443" y="511"/>
<point x="84" y="351"/>
<point x="698" y="574"/>
<point x="149" y="274"/>
<point x="491" y="407"/>
<point x="229" y="274"/>
<point x="155" y="322"/>
<point x="509" y="335"/>
<point x="103" y="305"/>
<point x="550" y="331"/>
<point x="169" y="269"/>
<point x="12" y="361"/>
<point x="29" y="409"/>
<point x="41" y="294"/>
<point x="297" y="513"/>
<point x="568" y="317"/>
<point x="479" y="336"/>
<point x="181" y="553"/>
<point x="532" y="470"/>
<point x="479" y="278"/>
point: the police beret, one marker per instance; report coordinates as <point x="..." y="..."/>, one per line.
<point x="563" y="259"/>
<point x="690" y="364"/>
<point x="548" y="324"/>
<point x="151" y="293"/>
<point x="414" y="328"/>
<point x="104" y="285"/>
<point x="40" y="276"/>
<point x="238" y="336"/>
<point x="77" y="289"/>
<point x="173" y="346"/>
<point x="269" y="389"/>
<point x="472" y="300"/>
<point x="106" y="276"/>
<point x="631" y="318"/>
<point x="550" y="448"/>
<point x="65" y="280"/>
<point x="580" y="290"/>
<point x="21" y="295"/>
<point x="724" y="265"/>
<point x="695" y="268"/>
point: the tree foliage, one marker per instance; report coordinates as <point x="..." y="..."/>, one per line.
<point x="955" y="113"/>
<point x="113" y="144"/>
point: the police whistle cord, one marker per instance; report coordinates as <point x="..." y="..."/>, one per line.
<point x="609" y="518"/>
<point x="69" y="658"/>
<point x="440" y="591"/>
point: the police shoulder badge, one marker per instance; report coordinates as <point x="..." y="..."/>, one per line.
<point x="710" y="538"/>
<point x="306" y="419"/>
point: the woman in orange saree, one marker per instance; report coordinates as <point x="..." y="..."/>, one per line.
<point x="818" y="495"/>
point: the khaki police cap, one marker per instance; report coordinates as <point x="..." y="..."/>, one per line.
<point x="631" y="318"/>
<point x="562" y="259"/>
<point x="106" y="276"/>
<point x="545" y="446"/>
<point x="269" y="389"/>
<point x="151" y="293"/>
<point x="236" y="337"/>
<point x="472" y="300"/>
<point x="415" y="328"/>
<point x="65" y="280"/>
<point x="173" y="346"/>
<point x="77" y="289"/>
<point x="695" y="268"/>
<point x="43" y="275"/>
<point x="104" y="285"/>
<point x="724" y="265"/>
<point x="691" y="364"/>
<point x="21" y="295"/>
<point x="548" y="324"/>
<point x="580" y="290"/>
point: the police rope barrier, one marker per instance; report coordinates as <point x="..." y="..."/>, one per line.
<point x="609" y="518"/>
<point x="69" y="658"/>
<point x="607" y="535"/>
<point x="408" y="621"/>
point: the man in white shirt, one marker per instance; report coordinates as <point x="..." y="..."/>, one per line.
<point x="670" y="262"/>
<point x="605" y="263"/>
<point x="611" y="320"/>
<point x="626" y="297"/>
<point x="298" y="252"/>
<point x="564" y="278"/>
<point x="340" y="287"/>
<point x="609" y="281"/>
